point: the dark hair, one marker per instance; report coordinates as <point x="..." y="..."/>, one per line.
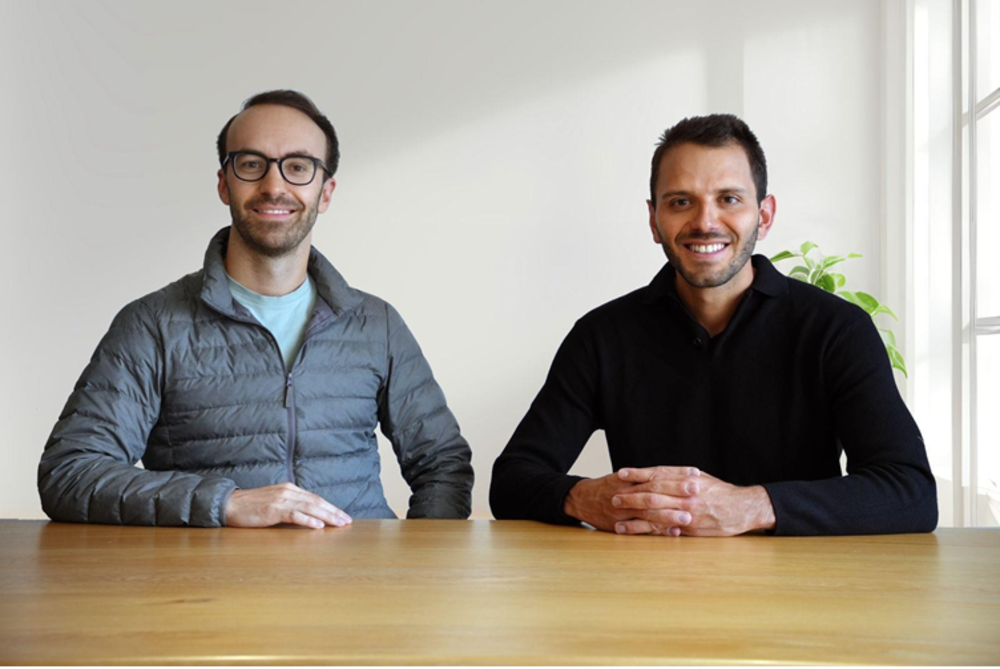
<point x="713" y="130"/>
<point x="295" y="100"/>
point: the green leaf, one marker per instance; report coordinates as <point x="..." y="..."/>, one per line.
<point x="851" y="297"/>
<point x="807" y="247"/>
<point x="800" y="272"/>
<point x="810" y="263"/>
<point x="888" y="338"/>
<point x="868" y="303"/>
<point x="840" y="279"/>
<point x="873" y="306"/>
<point x="827" y="283"/>
<point x="882" y="309"/>
<point x="784" y="255"/>
<point x="832" y="260"/>
<point x="854" y="255"/>
<point x="896" y="358"/>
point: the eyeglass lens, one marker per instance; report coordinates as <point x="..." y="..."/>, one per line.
<point x="297" y="171"/>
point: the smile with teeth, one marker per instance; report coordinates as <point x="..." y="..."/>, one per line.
<point x="274" y="212"/>
<point x="706" y="248"/>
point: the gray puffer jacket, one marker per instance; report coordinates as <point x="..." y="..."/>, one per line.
<point x="189" y="382"/>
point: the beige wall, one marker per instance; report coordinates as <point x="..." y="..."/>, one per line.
<point x="492" y="187"/>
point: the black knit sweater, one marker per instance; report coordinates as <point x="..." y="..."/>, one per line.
<point x="797" y="377"/>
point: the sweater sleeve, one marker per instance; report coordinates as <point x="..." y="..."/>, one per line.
<point x="889" y="487"/>
<point x="530" y="480"/>
<point x="87" y="472"/>
<point x="434" y="458"/>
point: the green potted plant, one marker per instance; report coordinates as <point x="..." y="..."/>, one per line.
<point x="815" y="269"/>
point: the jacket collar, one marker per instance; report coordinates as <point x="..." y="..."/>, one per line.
<point x="337" y="295"/>
<point x="767" y="280"/>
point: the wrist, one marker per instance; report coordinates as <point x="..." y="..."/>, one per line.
<point x="229" y="510"/>
<point x="762" y="515"/>
<point x="571" y="504"/>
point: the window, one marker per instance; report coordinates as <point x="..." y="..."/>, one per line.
<point x="942" y="163"/>
<point x="981" y="136"/>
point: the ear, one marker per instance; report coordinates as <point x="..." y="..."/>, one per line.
<point x="652" y="222"/>
<point x="223" y="187"/>
<point x="768" y="207"/>
<point x="326" y="195"/>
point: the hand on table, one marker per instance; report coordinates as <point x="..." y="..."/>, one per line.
<point x="590" y="500"/>
<point x="711" y="507"/>
<point x="282" y="503"/>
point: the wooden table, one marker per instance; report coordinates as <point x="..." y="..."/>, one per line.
<point x="481" y="592"/>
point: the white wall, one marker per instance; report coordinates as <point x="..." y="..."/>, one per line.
<point x="492" y="186"/>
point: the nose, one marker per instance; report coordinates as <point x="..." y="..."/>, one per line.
<point x="273" y="184"/>
<point x="704" y="218"/>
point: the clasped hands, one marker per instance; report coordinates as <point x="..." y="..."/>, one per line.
<point x="669" y="501"/>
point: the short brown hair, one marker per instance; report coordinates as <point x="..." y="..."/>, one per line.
<point x="295" y="100"/>
<point x="713" y="130"/>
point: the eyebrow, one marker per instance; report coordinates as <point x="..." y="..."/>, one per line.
<point x="297" y="152"/>
<point x="729" y="190"/>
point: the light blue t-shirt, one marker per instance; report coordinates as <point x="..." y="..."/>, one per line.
<point x="286" y="316"/>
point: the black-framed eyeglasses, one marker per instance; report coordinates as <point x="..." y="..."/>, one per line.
<point x="252" y="166"/>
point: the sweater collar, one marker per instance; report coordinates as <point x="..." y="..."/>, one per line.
<point x="330" y="285"/>
<point x="767" y="280"/>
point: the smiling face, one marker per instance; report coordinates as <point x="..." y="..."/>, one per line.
<point x="706" y="215"/>
<point x="272" y="217"/>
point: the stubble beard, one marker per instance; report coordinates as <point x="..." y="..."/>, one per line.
<point x="721" y="276"/>
<point x="273" y="239"/>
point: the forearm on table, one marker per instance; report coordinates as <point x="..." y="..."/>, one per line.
<point x="885" y="500"/>
<point x="526" y="490"/>
<point x="82" y="487"/>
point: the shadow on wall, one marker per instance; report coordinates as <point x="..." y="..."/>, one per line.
<point x="385" y="66"/>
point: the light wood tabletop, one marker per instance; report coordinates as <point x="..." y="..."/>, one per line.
<point x="482" y="592"/>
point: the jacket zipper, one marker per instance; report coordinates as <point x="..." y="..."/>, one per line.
<point x="311" y="329"/>
<point x="289" y="387"/>
<point x="290" y="409"/>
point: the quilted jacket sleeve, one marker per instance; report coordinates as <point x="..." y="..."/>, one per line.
<point x="88" y="473"/>
<point x="434" y="458"/>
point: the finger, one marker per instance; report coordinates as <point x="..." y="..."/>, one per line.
<point x="317" y="506"/>
<point x="304" y="520"/>
<point x="633" y="527"/>
<point x="662" y="530"/>
<point x="657" y="494"/>
<point x="646" y="474"/>
<point x="679" y="489"/>
<point x="643" y="500"/>
<point x="326" y="512"/>
<point x="665" y="517"/>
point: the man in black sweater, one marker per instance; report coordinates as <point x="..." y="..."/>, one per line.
<point x="727" y="391"/>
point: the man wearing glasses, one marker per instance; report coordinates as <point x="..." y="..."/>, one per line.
<point x="251" y="389"/>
